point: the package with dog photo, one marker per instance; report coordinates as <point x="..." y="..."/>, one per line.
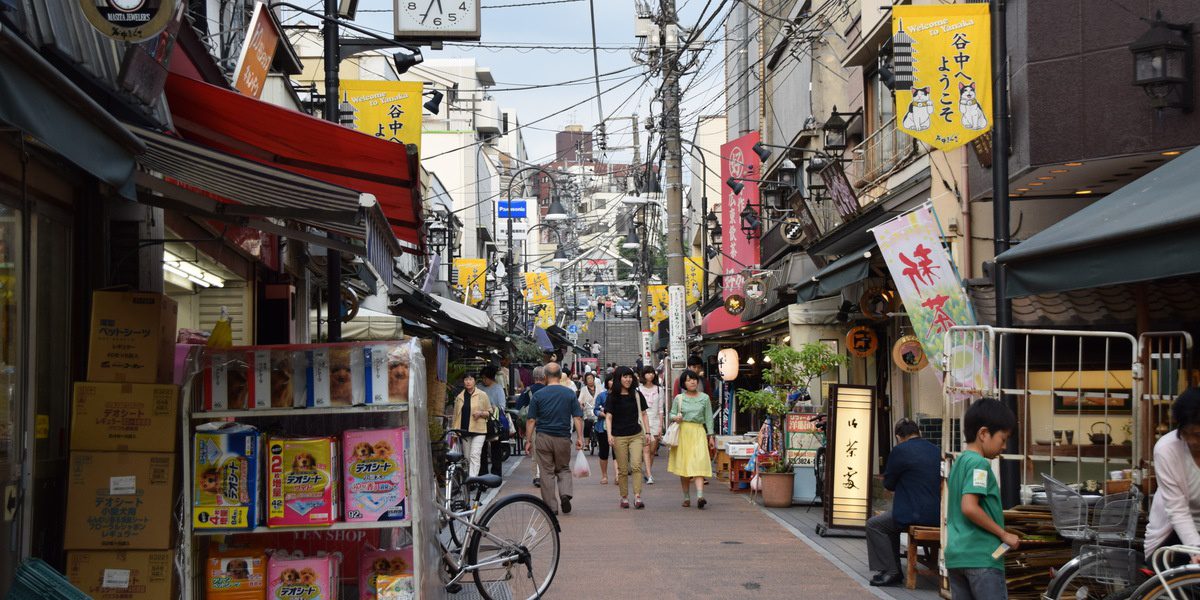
<point x="302" y="487"/>
<point x="226" y="490"/>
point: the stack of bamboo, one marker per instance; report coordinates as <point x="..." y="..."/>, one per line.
<point x="1027" y="569"/>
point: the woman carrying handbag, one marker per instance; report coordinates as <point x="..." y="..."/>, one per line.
<point x="689" y="458"/>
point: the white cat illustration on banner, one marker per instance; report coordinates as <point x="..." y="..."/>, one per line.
<point x="920" y="110"/>
<point x="972" y="114"/>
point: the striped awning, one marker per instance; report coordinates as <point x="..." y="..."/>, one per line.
<point x="230" y="187"/>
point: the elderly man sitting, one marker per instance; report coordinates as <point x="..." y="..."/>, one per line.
<point x="913" y="472"/>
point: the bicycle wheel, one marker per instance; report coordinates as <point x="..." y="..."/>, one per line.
<point x="522" y="573"/>
<point x="459" y="501"/>
<point x="1076" y="581"/>
<point x="1183" y="582"/>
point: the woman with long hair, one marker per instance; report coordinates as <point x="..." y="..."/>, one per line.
<point x="627" y="426"/>
<point x="689" y="459"/>
<point x="656" y="410"/>
<point x="587" y="403"/>
<point x="469" y="420"/>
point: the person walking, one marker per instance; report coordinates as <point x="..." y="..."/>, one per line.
<point x="469" y="418"/>
<point x="689" y="459"/>
<point x="551" y="413"/>
<point x="493" y="458"/>
<point x="628" y="428"/>
<point x="539" y="382"/>
<point x="913" y="472"/>
<point x="656" y="411"/>
<point x="599" y="410"/>
<point x="587" y="403"/>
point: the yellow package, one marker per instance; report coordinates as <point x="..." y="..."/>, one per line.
<point x="302" y="484"/>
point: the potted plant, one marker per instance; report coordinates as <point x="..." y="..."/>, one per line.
<point x="776" y="480"/>
<point x="790" y="375"/>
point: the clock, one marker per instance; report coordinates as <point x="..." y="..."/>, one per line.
<point x="437" y="19"/>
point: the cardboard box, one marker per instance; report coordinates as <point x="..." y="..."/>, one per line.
<point x="124" y="417"/>
<point x="121" y="575"/>
<point x="119" y="501"/>
<point x="132" y="338"/>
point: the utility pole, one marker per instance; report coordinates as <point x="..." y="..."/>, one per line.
<point x="674" y="155"/>
<point x="333" y="258"/>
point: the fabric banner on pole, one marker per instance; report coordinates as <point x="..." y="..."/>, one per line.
<point x="925" y="278"/>
<point x="694" y="274"/>
<point x="943" y="72"/>
<point x="659" y="305"/>
<point x="537" y="286"/>
<point x="472" y="279"/>
<point x="545" y="316"/>
<point x="739" y="250"/>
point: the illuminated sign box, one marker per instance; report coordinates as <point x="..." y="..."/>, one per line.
<point x="848" y="476"/>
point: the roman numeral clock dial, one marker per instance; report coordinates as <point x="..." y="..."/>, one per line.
<point x="437" y="19"/>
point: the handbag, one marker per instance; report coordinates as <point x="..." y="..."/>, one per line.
<point x="671" y="437"/>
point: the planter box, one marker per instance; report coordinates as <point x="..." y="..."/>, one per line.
<point x="777" y="489"/>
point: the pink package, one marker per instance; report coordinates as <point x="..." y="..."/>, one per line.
<point x="373" y="475"/>
<point x="374" y="563"/>
<point x="309" y="578"/>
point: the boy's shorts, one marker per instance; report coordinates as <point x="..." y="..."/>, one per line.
<point x="977" y="584"/>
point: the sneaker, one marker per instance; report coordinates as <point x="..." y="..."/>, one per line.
<point x="624" y="503"/>
<point x="537" y="482"/>
<point x="565" y="502"/>
<point x="701" y="502"/>
<point x="637" y="502"/>
<point x="650" y="480"/>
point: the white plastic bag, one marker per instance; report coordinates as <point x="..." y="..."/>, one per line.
<point x="579" y="466"/>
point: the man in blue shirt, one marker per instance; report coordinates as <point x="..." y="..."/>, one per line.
<point x="493" y="456"/>
<point x="551" y="413"/>
<point x="913" y="472"/>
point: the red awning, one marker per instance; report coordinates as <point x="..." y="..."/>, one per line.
<point x="296" y="142"/>
<point x="720" y="320"/>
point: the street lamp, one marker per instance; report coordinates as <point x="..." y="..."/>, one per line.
<point x="835" y="132"/>
<point x="434" y="103"/>
<point x="556" y="212"/>
<point x="1162" y="64"/>
<point x="631" y="237"/>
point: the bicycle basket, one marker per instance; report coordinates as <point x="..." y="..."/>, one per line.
<point x="1115" y="517"/>
<point x="1068" y="510"/>
<point x="1113" y="566"/>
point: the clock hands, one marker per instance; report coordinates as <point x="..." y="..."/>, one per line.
<point x="429" y="9"/>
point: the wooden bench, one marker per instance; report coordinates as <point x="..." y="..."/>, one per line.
<point x="929" y="538"/>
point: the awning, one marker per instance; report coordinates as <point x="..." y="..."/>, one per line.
<point x="464" y="314"/>
<point x="1144" y="231"/>
<point x="367" y="324"/>
<point x="719" y="320"/>
<point x="795" y="269"/>
<point x="194" y="178"/>
<point x="301" y="144"/>
<point x="37" y="99"/>
<point x="543" y="339"/>
<point x="851" y="268"/>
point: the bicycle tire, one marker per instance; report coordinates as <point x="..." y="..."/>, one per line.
<point x="460" y="500"/>
<point x="1071" y="579"/>
<point x="1180" y="579"/>
<point x="511" y="581"/>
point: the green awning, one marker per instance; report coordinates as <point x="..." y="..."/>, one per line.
<point x="41" y="102"/>
<point x="1145" y="231"/>
<point x="849" y="269"/>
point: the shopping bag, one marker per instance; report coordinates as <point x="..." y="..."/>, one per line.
<point x="579" y="465"/>
<point x="671" y="437"/>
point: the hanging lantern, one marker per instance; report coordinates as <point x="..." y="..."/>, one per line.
<point x="727" y="364"/>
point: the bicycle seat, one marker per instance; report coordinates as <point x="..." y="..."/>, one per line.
<point x="491" y="480"/>
<point x="454" y="456"/>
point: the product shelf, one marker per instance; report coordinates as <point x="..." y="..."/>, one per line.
<point x="252" y="413"/>
<point x="340" y="526"/>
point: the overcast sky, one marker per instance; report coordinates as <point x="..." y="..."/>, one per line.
<point x="568" y="24"/>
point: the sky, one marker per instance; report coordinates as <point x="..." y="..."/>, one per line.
<point x="567" y="23"/>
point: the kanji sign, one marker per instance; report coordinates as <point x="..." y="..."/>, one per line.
<point x="862" y="341"/>
<point x="659" y="306"/>
<point x="944" y="94"/>
<point x="472" y="279"/>
<point x="694" y="273"/>
<point x="390" y="110"/>
<point x="925" y="278"/>
<point x="739" y="251"/>
<point x="849" y="477"/>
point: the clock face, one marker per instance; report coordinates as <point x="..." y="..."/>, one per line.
<point x="442" y="19"/>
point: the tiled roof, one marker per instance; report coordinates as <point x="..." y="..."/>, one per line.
<point x="1170" y="302"/>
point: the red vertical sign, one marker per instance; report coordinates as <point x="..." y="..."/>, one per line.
<point x="740" y="251"/>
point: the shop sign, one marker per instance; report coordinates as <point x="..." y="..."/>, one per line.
<point x="472" y="279"/>
<point x="389" y="110"/>
<point x="925" y="278"/>
<point x="645" y="346"/>
<point x="802" y="438"/>
<point x="849" y="477"/>
<point x="756" y="289"/>
<point x="876" y="303"/>
<point x="727" y="364"/>
<point x="739" y="251"/>
<point x="944" y="93"/>
<point x="693" y="271"/>
<point x="908" y="355"/>
<point x="678" y="326"/>
<point x="128" y="20"/>
<point x="840" y="191"/>
<point x="258" y="52"/>
<point x="862" y="341"/>
<point x="537" y="288"/>
<point x="659" y="306"/>
<point x="144" y="66"/>
<point x="546" y="314"/>
<point x="735" y="304"/>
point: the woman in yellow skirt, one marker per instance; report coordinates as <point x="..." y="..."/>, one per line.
<point x="689" y="458"/>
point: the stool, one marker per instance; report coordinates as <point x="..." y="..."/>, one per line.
<point x="929" y="538"/>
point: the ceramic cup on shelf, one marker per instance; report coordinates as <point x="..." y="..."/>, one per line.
<point x="1058" y="436"/>
<point x="1070" y="433"/>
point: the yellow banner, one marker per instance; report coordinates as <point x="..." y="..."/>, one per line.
<point x="943" y="72"/>
<point x="694" y="271"/>
<point x="472" y="279"/>
<point x="545" y="316"/>
<point x="390" y="110"/>
<point x="537" y="288"/>
<point x="590" y="315"/>
<point x="659" y="301"/>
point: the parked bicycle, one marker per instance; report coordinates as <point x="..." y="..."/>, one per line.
<point x="510" y="546"/>
<point x="1171" y="583"/>
<point x="1107" y="567"/>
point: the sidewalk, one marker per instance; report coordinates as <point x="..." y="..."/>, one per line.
<point x="731" y="549"/>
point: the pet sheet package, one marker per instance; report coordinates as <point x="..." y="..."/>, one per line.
<point x="236" y="575"/>
<point x="302" y="578"/>
<point x="226" y="490"/>
<point x="375" y="564"/>
<point x="394" y="587"/>
<point x="373" y="475"/>
<point x="303" y="486"/>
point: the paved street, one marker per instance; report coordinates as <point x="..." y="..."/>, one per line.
<point x="731" y="549"/>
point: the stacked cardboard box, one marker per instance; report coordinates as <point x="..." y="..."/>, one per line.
<point x="121" y="485"/>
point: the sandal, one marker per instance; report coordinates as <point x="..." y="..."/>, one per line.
<point x="604" y="481"/>
<point x="624" y="503"/>
<point x="686" y="504"/>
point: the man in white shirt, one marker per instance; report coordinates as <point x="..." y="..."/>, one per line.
<point x="1175" y="511"/>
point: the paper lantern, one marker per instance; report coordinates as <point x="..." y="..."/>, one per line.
<point x="727" y="364"/>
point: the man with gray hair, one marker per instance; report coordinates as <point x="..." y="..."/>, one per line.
<point x="552" y="411"/>
<point x="539" y="382"/>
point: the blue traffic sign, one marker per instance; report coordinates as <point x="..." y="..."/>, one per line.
<point x="512" y="209"/>
<point x="572" y="328"/>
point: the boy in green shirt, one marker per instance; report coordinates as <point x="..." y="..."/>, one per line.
<point x="974" y="517"/>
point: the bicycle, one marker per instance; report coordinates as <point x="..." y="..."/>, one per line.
<point x="1167" y="582"/>
<point x="1106" y="566"/>
<point x="500" y="545"/>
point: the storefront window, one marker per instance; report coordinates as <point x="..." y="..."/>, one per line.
<point x="12" y="417"/>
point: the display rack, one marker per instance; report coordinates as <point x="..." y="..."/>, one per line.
<point x="420" y="527"/>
